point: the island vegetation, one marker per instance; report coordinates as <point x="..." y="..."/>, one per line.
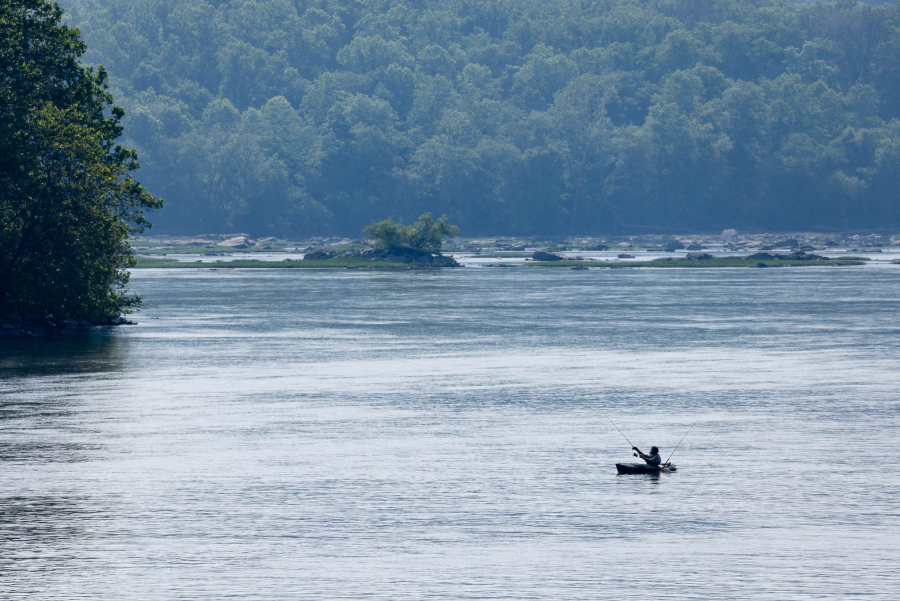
<point x="303" y="118"/>
<point x="68" y="203"/>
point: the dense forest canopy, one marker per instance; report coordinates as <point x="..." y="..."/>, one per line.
<point x="298" y="117"/>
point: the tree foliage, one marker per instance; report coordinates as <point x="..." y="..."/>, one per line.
<point x="425" y="234"/>
<point x="67" y="203"/>
<point x="510" y="116"/>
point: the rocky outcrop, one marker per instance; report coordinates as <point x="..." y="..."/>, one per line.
<point x="372" y="253"/>
<point x="237" y="242"/>
<point x="319" y="254"/>
<point x="625" y="256"/>
<point x="542" y="255"/>
<point x="409" y="254"/>
<point x="695" y="246"/>
<point x="673" y="245"/>
<point x="400" y="254"/>
<point x="803" y="256"/>
<point x="699" y="256"/>
<point x="444" y="261"/>
<point x="765" y="256"/>
<point x="795" y="256"/>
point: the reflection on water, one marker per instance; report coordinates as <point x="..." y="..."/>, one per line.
<point x="321" y="435"/>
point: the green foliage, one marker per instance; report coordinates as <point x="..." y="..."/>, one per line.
<point x="425" y="234"/>
<point x="510" y="116"/>
<point x="67" y="203"/>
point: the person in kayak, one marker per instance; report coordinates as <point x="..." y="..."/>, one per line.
<point x="651" y="459"/>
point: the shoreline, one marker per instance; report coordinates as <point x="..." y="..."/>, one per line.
<point x="16" y="327"/>
<point x="364" y="264"/>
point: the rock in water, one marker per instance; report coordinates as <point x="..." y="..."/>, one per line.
<point x="319" y="254"/>
<point x="542" y="255"/>
<point x="442" y="261"/>
<point x="410" y="254"/>
<point x="699" y="256"/>
<point x="729" y="235"/>
<point x="238" y="242"/>
<point x="802" y="256"/>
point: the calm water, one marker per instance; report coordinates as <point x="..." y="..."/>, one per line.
<point x="344" y="435"/>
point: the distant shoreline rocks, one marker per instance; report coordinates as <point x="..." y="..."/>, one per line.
<point x="237" y="242"/>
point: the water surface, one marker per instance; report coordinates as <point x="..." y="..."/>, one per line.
<point x="311" y="434"/>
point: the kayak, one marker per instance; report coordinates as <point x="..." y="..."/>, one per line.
<point x="643" y="468"/>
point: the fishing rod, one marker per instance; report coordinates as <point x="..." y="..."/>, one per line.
<point x="682" y="438"/>
<point x="617" y="428"/>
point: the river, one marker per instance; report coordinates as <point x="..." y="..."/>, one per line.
<point x="305" y="434"/>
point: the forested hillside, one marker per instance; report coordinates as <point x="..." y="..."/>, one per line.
<point x="300" y="117"/>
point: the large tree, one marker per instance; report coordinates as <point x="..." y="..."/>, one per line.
<point x="67" y="202"/>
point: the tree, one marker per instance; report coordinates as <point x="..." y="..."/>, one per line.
<point x="521" y="117"/>
<point x="67" y="201"/>
<point x="425" y="234"/>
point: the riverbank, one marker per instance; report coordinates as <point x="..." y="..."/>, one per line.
<point x="15" y="327"/>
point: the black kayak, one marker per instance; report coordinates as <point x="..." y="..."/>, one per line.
<point x="643" y="468"/>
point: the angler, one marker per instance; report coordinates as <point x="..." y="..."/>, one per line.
<point x="652" y="459"/>
<point x="653" y="463"/>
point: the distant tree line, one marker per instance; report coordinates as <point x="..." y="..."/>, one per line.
<point x="67" y="201"/>
<point x="296" y="117"/>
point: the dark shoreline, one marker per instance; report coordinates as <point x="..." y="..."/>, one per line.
<point x="15" y="327"/>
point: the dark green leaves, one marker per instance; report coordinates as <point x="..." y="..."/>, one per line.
<point x="67" y="203"/>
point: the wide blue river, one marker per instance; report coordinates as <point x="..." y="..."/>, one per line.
<point x="269" y="435"/>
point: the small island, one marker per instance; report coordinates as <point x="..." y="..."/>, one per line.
<point x="386" y="245"/>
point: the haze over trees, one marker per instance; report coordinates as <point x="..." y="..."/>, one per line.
<point x="297" y="117"/>
<point x="67" y="201"/>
